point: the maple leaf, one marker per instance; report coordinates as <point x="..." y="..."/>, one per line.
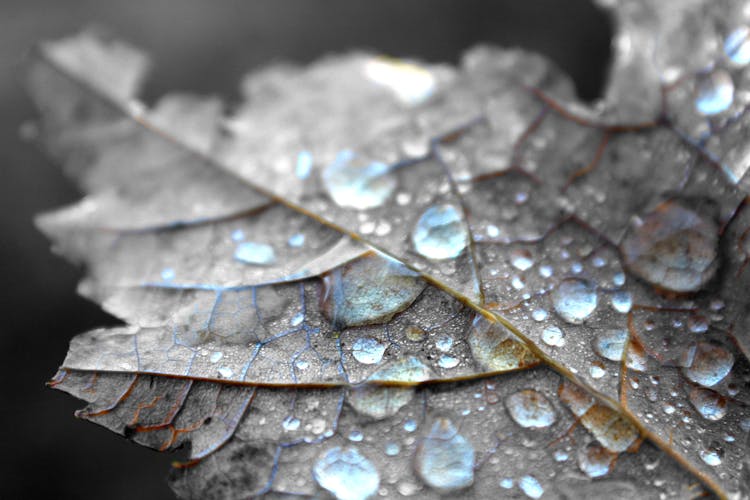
<point x="382" y="277"/>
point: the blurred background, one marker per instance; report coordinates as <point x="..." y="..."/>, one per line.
<point x="203" y="47"/>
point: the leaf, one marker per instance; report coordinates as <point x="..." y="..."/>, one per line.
<point x="369" y="242"/>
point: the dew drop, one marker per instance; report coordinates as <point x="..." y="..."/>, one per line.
<point x="392" y="449"/>
<point x="506" y="483"/>
<point x="354" y="183"/>
<point x="444" y="343"/>
<point x="596" y="370"/>
<point x="216" y="356"/>
<point x="530" y="409"/>
<point x="379" y="402"/>
<point x="706" y="364"/>
<point x="304" y="164"/>
<point x="622" y="301"/>
<point x="495" y="348"/>
<point x="445" y="459"/>
<point x="290" y="423"/>
<point x="167" y="274"/>
<point x="539" y="314"/>
<point x="447" y="362"/>
<point x="356" y="436"/>
<point x="225" y="372"/>
<point x="259" y="254"/>
<point x="574" y="300"/>
<point x="404" y="370"/>
<point x="737" y="46"/>
<point x="595" y="461"/>
<point x="521" y="259"/>
<point x="531" y="487"/>
<point x="560" y="455"/>
<point x="553" y="336"/>
<point x="714" y="92"/>
<point x="410" y="425"/>
<point x="710" y="404"/>
<point x="367" y="350"/>
<point x="296" y="240"/>
<point x="440" y="233"/>
<point x="346" y="474"/>
<point x="610" y="344"/>
<point x="713" y="454"/>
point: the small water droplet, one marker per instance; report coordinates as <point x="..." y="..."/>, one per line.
<point x="610" y="344"/>
<point x="553" y="336"/>
<point x="216" y="356"/>
<point x="367" y="350"/>
<point x="255" y="253"/>
<point x="445" y="459"/>
<point x="596" y="370"/>
<point x="710" y="404"/>
<point x="531" y="487"/>
<point x="714" y="92"/>
<point x="440" y="233"/>
<point x="530" y="409"/>
<point x="539" y="314"/>
<point x="444" y="343"/>
<point x="706" y="364"/>
<point x="447" y="362"/>
<point x="225" y="372"/>
<point x="493" y="231"/>
<point x="521" y="259"/>
<point x="545" y="271"/>
<point x="304" y="164"/>
<point x="296" y="240"/>
<point x="622" y="301"/>
<point x="347" y="474"/>
<point x="574" y="300"/>
<point x="506" y="483"/>
<point x="298" y="318"/>
<point x="560" y="455"/>
<point x="392" y="449"/>
<point x="737" y="46"/>
<point x="595" y="461"/>
<point x="713" y="454"/>
<point x="352" y="182"/>
<point x="291" y="423"/>
<point x="167" y="274"/>
<point x="356" y="436"/>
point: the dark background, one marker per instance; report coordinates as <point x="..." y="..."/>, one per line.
<point x="203" y="46"/>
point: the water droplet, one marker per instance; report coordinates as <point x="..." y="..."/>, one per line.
<point x="495" y="348"/>
<point x="618" y="279"/>
<point x="493" y="231"/>
<point x="521" y="259"/>
<point x="356" y="436"/>
<point x="440" y="233"/>
<point x="506" y="483"/>
<point x="595" y="461"/>
<point x="553" y="336"/>
<point x="610" y="344"/>
<point x="167" y="274"/>
<point x="367" y="291"/>
<point x="706" y="364"/>
<point x="539" y="314"/>
<point x="574" y="300"/>
<point x="737" y="46"/>
<point x="296" y="240"/>
<point x="673" y="248"/>
<point x="406" y="370"/>
<point x="298" y="318"/>
<point x="596" y="370"/>
<point x="531" y="487"/>
<point x="290" y="423"/>
<point x="444" y="343"/>
<point x="622" y="301"/>
<point x="710" y="404"/>
<point x="445" y="459"/>
<point x="352" y="182"/>
<point x="347" y="474"/>
<point x="530" y="409"/>
<point x="713" y="454"/>
<point x="367" y="350"/>
<point x="225" y="372"/>
<point x="410" y="425"/>
<point x="304" y="164"/>
<point x="447" y="362"/>
<point x="255" y="253"/>
<point x="714" y="92"/>
<point x="216" y="356"/>
<point x="411" y="83"/>
<point x="379" y="402"/>
<point x="392" y="449"/>
<point x="545" y="271"/>
<point x="560" y="455"/>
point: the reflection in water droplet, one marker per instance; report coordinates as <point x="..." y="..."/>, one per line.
<point x="355" y="183"/>
<point x="609" y="344"/>
<point x="521" y="259"/>
<point x="304" y="164"/>
<point x="379" y="402"/>
<point x="446" y="361"/>
<point x="595" y="461"/>
<point x="410" y="425"/>
<point x="553" y="336"/>
<point x="673" y="248"/>
<point x="445" y="459"/>
<point x="444" y="343"/>
<point x="530" y="409"/>
<point x="737" y="46"/>
<point x="369" y="290"/>
<point x="440" y="233"/>
<point x="296" y="240"/>
<point x="346" y="474"/>
<point x="713" y="454"/>
<point x="714" y="92"/>
<point x="710" y="404"/>
<point x="531" y="487"/>
<point x="290" y="423"/>
<point x="574" y="300"/>
<point x="706" y="364"/>
<point x="392" y="449"/>
<point x="255" y="253"/>
<point x="495" y="348"/>
<point x="367" y="350"/>
<point x="622" y="301"/>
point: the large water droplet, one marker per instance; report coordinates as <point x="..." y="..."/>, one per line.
<point x="531" y="487"/>
<point x="495" y="347"/>
<point x="346" y="474"/>
<point x="530" y="409"/>
<point x="737" y="46"/>
<point x="610" y="344"/>
<point x="259" y="254"/>
<point x="714" y="92"/>
<point x="706" y="364"/>
<point x="710" y="404"/>
<point x="445" y="459"/>
<point x="352" y="182"/>
<point x="440" y="233"/>
<point x="553" y="336"/>
<point x="713" y="454"/>
<point x="574" y="300"/>
<point x="369" y="290"/>
<point x="673" y="248"/>
<point x="379" y="402"/>
<point x="367" y="350"/>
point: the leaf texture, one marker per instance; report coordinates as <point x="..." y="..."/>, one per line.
<point x="358" y="271"/>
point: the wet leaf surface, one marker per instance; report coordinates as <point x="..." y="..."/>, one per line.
<point x="349" y="281"/>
